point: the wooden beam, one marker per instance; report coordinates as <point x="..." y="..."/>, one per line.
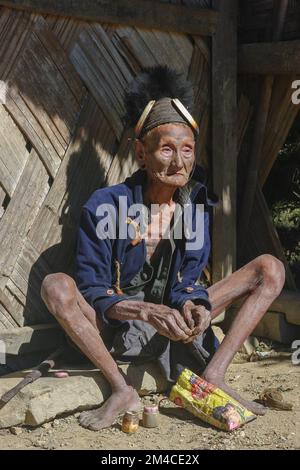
<point x="224" y="138"/>
<point x="282" y="115"/>
<point x="270" y="58"/>
<point x="145" y="14"/>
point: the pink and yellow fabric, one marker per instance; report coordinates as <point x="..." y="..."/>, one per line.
<point x="208" y="402"/>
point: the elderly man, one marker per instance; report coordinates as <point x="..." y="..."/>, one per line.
<point x="136" y="295"/>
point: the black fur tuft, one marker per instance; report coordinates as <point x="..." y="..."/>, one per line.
<point x="154" y="83"/>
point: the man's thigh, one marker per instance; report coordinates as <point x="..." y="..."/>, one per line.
<point x="236" y="286"/>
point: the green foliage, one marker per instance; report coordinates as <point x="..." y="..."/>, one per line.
<point x="286" y="215"/>
<point x="286" y="218"/>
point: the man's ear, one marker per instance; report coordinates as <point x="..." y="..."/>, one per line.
<point x="140" y="153"/>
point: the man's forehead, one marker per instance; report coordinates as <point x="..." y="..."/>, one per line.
<point x="173" y="132"/>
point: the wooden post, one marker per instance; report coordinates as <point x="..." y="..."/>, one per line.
<point x="259" y="132"/>
<point x="224" y="138"/>
<point x="277" y="58"/>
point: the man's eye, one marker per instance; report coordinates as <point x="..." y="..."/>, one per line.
<point x="166" y="150"/>
<point x="187" y="150"/>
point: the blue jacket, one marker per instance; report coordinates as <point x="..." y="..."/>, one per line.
<point x="95" y="271"/>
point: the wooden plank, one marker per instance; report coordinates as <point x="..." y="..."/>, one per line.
<point x="44" y="95"/>
<point x="224" y="139"/>
<point x="2" y="198"/>
<point x="66" y="30"/>
<point x="281" y="117"/>
<point x="204" y="47"/>
<point x="25" y="285"/>
<point x="281" y="58"/>
<point x="254" y="158"/>
<point x="164" y="46"/>
<point x="55" y="51"/>
<point x="33" y="338"/>
<point x="180" y="43"/>
<point x="124" y="162"/>
<point x="15" y="311"/>
<point x="50" y="243"/>
<point x="124" y="41"/>
<point x="30" y="126"/>
<point x="13" y="153"/>
<point x="83" y="170"/>
<point x="6" y="306"/>
<point x="6" y="322"/>
<point x="99" y="72"/>
<point x="55" y="110"/>
<point x="245" y="111"/>
<point x="146" y="14"/>
<point x="22" y="209"/>
<point x="15" y="28"/>
<point x="199" y="75"/>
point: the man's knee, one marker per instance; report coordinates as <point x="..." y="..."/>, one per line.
<point x="58" y="291"/>
<point x="272" y="271"/>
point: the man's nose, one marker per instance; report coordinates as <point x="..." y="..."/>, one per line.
<point x="177" y="159"/>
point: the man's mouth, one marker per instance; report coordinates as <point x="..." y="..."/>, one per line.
<point x="175" y="173"/>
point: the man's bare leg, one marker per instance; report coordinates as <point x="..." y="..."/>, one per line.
<point x="79" y="320"/>
<point x="259" y="282"/>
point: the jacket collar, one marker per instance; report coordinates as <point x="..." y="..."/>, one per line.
<point x="188" y="192"/>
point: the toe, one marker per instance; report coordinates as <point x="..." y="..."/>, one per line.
<point x="261" y="410"/>
<point x="84" y="419"/>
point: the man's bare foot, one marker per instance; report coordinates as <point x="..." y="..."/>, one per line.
<point x="120" y="401"/>
<point x="256" y="408"/>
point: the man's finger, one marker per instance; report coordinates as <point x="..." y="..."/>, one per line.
<point x="178" y="333"/>
<point x="187" y="315"/>
<point x="181" y="322"/>
<point x="163" y="329"/>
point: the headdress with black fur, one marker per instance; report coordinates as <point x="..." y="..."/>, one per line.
<point x="159" y="95"/>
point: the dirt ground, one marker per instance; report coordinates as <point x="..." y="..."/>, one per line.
<point x="180" y="430"/>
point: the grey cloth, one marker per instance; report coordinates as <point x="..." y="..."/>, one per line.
<point x="137" y="342"/>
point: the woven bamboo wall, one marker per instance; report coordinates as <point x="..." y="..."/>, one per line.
<point x="61" y="135"/>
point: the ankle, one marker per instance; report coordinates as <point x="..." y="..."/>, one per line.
<point x="121" y="388"/>
<point x="213" y="376"/>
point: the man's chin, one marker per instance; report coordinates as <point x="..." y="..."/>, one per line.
<point x="175" y="180"/>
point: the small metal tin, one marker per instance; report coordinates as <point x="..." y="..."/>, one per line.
<point x="150" y="415"/>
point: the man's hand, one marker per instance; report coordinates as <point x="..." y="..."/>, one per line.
<point x="197" y="317"/>
<point x="168" y="322"/>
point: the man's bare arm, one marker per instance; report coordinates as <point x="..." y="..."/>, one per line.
<point x="167" y="321"/>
